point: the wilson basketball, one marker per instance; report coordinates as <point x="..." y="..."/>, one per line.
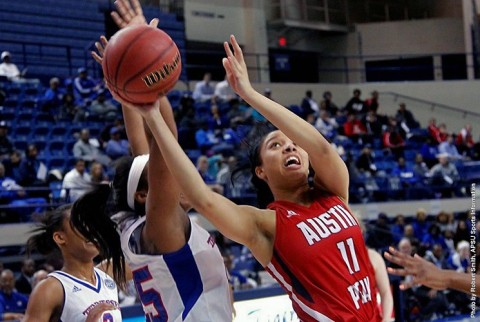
<point x="141" y="63"/>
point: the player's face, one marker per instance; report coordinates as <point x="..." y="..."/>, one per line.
<point x="76" y="243"/>
<point x="282" y="159"/>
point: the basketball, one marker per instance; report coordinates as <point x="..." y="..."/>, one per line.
<point x="141" y="63"/>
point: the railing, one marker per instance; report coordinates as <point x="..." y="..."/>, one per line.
<point x="465" y="113"/>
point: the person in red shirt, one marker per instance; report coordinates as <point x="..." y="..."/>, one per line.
<point x="464" y="140"/>
<point x="354" y="129"/>
<point x="307" y="239"/>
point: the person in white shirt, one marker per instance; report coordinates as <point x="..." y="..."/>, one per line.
<point x="223" y="92"/>
<point x="7" y="68"/>
<point x="204" y="89"/>
<point x="76" y="182"/>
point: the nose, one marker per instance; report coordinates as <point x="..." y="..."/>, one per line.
<point x="290" y="147"/>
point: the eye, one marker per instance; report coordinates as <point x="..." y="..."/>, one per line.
<point x="274" y="145"/>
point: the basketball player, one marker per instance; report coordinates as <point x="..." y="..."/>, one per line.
<point x="307" y="238"/>
<point x="79" y="291"/>
<point x="178" y="270"/>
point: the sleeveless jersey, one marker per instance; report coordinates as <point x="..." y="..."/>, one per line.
<point x="188" y="285"/>
<point x="80" y="296"/>
<point x="320" y="259"/>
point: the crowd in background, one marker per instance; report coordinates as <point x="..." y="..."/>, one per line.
<point x="388" y="157"/>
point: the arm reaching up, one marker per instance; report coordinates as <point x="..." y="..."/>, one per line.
<point x="330" y="171"/>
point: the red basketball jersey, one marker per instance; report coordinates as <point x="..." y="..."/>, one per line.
<point x="320" y="259"/>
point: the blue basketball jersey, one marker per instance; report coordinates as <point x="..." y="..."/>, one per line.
<point x="81" y="296"/>
<point x="188" y="285"/>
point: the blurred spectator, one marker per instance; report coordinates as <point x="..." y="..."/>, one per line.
<point x="204" y="89"/>
<point x="436" y="133"/>
<point x="52" y="100"/>
<point x="97" y="173"/>
<point x="12" y="303"/>
<point x="39" y="276"/>
<point x="406" y="119"/>
<point x="85" y="88"/>
<point x="6" y="146"/>
<point x="223" y="92"/>
<point x="224" y="178"/>
<point x="23" y="284"/>
<point x="202" y="167"/>
<point x="433" y="303"/>
<point x="326" y="125"/>
<point x="420" y="168"/>
<point x="464" y="140"/>
<point x="398" y="227"/>
<point x="445" y="176"/>
<point x="12" y="165"/>
<point x="205" y="137"/>
<point x="86" y="150"/>
<point x="33" y="172"/>
<point x="328" y="105"/>
<point x="356" y="105"/>
<point x="9" y="189"/>
<point x="434" y="237"/>
<point x="373" y="124"/>
<point x="117" y="147"/>
<point x="354" y="129"/>
<point x="409" y="233"/>
<point x="393" y="140"/>
<point x="420" y="224"/>
<point x="429" y="152"/>
<point x="238" y="279"/>
<point x="309" y="105"/>
<point x="445" y="221"/>
<point x="103" y="109"/>
<point x="70" y="110"/>
<point x="379" y="234"/>
<point x="371" y="104"/>
<point x="365" y="161"/>
<point x="105" y="135"/>
<point x="462" y="232"/>
<point x="460" y="259"/>
<point x="448" y="236"/>
<point x="448" y="147"/>
<point x="405" y="173"/>
<point x="238" y="114"/>
<point x="9" y="69"/>
<point x="76" y="182"/>
<point x="216" y="121"/>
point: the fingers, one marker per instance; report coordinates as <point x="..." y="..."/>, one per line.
<point x="397" y="271"/>
<point x="125" y="10"/>
<point x="103" y="41"/>
<point x="118" y="20"/>
<point x="100" y="48"/>
<point x="154" y="23"/>
<point x="236" y="48"/>
<point x="97" y="58"/>
<point x="137" y="8"/>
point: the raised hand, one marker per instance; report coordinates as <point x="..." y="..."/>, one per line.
<point x="236" y="69"/>
<point x="129" y="13"/>
<point x="100" y="45"/>
<point x="423" y="271"/>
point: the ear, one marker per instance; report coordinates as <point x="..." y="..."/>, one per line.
<point x="260" y="173"/>
<point x="141" y="196"/>
<point x="59" y="238"/>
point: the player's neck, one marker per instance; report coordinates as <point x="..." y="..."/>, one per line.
<point x="85" y="273"/>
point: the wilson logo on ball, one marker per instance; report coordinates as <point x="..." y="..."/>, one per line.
<point x="162" y="73"/>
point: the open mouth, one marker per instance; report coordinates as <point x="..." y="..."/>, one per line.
<point x="292" y="161"/>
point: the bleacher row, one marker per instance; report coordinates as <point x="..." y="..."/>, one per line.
<point x="54" y="37"/>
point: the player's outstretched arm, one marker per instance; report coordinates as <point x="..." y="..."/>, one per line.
<point x="428" y="274"/>
<point x="330" y="171"/>
<point x="244" y="224"/>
